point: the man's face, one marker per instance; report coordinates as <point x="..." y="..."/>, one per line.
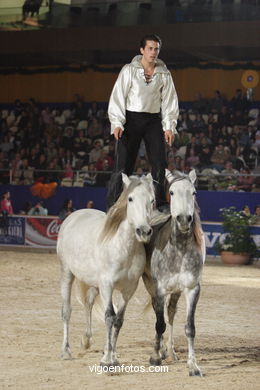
<point x="151" y="51"/>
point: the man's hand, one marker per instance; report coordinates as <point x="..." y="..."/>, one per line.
<point x="169" y="137"/>
<point x="118" y="133"/>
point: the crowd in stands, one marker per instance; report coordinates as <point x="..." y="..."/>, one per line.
<point x="73" y="145"/>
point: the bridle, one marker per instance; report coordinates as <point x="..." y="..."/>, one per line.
<point x="179" y="178"/>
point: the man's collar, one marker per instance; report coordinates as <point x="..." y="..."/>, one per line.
<point x="160" y="66"/>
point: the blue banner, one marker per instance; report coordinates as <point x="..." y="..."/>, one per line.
<point x="12" y="231"/>
<point x="213" y="232"/>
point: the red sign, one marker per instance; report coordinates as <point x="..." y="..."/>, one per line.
<point x="42" y="231"/>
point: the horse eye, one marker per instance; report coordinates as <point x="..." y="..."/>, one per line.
<point x="130" y="199"/>
<point x="194" y="193"/>
<point x="171" y="193"/>
<point x="152" y="201"/>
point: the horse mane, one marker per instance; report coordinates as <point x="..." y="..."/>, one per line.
<point x="196" y="226"/>
<point x="117" y="213"/>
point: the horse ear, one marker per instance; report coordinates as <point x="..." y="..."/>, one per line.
<point x="126" y="180"/>
<point x="193" y="176"/>
<point x="149" y="177"/>
<point x="168" y="175"/>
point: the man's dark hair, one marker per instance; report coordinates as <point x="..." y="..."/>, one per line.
<point x="150" y="37"/>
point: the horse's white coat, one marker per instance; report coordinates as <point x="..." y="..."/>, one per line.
<point x="102" y="265"/>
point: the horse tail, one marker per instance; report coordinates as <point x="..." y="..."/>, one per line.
<point x="81" y="295"/>
<point x="98" y="307"/>
<point x="147" y="306"/>
<point x="81" y="291"/>
<point x="98" y="310"/>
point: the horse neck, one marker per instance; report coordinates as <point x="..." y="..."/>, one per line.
<point x="126" y="234"/>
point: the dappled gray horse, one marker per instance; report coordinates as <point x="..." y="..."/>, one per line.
<point x="175" y="257"/>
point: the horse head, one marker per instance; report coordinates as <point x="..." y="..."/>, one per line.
<point x="182" y="198"/>
<point x="140" y="201"/>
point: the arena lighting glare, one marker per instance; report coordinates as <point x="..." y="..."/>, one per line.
<point x="250" y="80"/>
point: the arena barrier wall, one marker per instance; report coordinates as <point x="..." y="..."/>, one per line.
<point x="210" y="202"/>
<point x="42" y="232"/>
<point x="32" y="231"/>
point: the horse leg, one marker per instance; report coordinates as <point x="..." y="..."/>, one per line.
<point x="90" y="297"/>
<point x="118" y="322"/>
<point x="151" y="289"/>
<point x="149" y="283"/>
<point x="160" y="326"/>
<point x="67" y="279"/>
<point x="192" y="297"/>
<point x="110" y="315"/>
<point x="172" y="309"/>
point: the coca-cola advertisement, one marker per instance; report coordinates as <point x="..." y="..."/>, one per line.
<point x="42" y="231"/>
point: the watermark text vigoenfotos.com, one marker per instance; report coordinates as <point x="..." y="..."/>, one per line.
<point x="96" y="369"/>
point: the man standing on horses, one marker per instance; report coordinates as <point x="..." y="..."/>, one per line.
<point x="143" y="106"/>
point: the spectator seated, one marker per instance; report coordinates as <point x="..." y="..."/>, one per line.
<point x="38" y="142"/>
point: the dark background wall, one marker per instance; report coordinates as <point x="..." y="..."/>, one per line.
<point x="54" y="63"/>
<point x="182" y="42"/>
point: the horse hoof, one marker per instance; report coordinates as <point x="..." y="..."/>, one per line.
<point x="114" y="364"/>
<point x="85" y="342"/>
<point x="195" y="372"/>
<point x="175" y="357"/>
<point x="164" y="355"/>
<point x="155" y="361"/>
<point x="169" y="359"/>
<point x="66" y="355"/>
<point x="172" y="357"/>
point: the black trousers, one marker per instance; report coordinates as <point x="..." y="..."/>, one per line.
<point x="139" y="126"/>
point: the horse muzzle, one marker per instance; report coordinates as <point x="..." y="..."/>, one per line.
<point x="144" y="233"/>
<point x="184" y="223"/>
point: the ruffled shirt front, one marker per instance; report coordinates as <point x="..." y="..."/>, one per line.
<point x="132" y="92"/>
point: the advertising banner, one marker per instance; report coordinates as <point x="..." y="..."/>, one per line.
<point x="42" y="232"/>
<point x="12" y="231"/>
<point x="214" y="232"/>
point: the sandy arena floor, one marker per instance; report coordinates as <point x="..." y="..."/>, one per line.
<point x="227" y="342"/>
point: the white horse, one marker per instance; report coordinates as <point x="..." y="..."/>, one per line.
<point x="175" y="257"/>
<point x="104" y="253"/>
